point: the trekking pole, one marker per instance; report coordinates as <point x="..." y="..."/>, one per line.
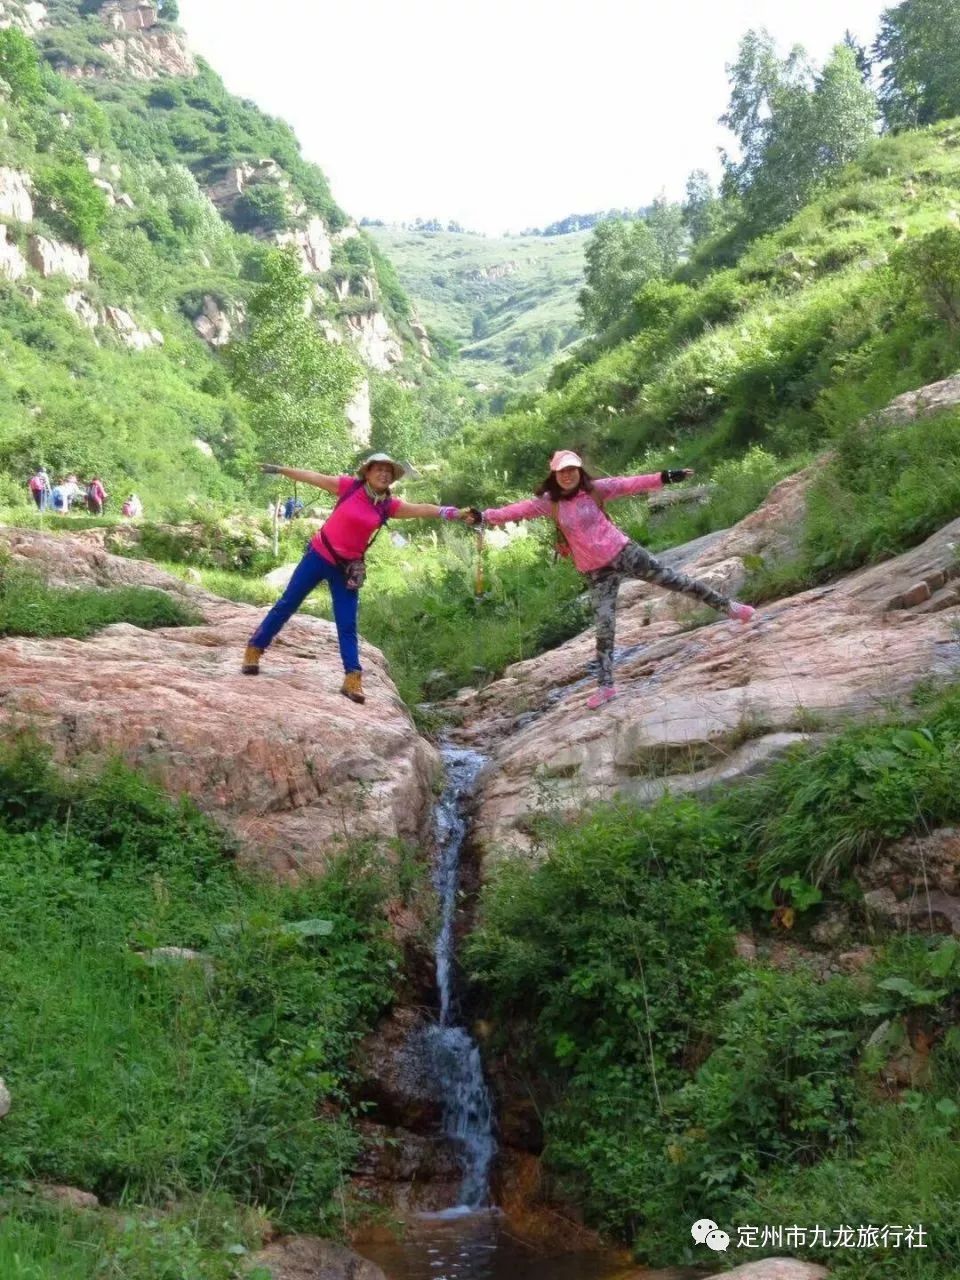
<point x="478" y="579"/>
<point x="276" y="529"/>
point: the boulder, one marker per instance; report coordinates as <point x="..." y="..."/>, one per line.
<point x="54" y="258"/>
<point x="15" y="202"/>
<point x="309" y="1258"/>
<point x="13" y="265"/>
<point x="773" y="1269"/>
<point x="70" y="1197"/>
<point x="129" y="333"/>
<point x="921" y="403"/>
<point x="215" y="323"/>
<point x="395" y="1073"/>
<point x="289" y="767"/>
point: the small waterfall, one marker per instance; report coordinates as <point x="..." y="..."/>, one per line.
<point x="454" y="1057"/>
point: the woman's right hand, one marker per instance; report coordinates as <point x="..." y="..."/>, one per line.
<point x="270" y="469"/>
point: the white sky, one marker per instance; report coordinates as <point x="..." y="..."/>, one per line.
<point x="502" y="114"/>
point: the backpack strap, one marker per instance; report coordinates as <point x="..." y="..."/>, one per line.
<point x="562" y="546"/>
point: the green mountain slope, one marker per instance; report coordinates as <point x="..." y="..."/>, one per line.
<point x="137" y="202"/>
<point x="507" y="304"/>
<point x="826" y="319"/>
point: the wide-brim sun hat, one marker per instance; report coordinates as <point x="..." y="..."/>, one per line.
<point x="565" y="458"/>
<point x="398" y="468"/>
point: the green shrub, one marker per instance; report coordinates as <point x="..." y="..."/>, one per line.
<point x="153" y="1081"/>
<point x="72" y="202"/>
<point x="28" y="607"/>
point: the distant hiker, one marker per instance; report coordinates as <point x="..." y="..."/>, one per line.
<point x="58" y="497"/>
<point x="40" y="488"/>
<point x="96" y="496"/>
<point x="292" y="508"/>
<point x="601" y="551"/>
<point x="71" y="491"/>
<point x="335" y="555"/>
<point x="132" y="507"/>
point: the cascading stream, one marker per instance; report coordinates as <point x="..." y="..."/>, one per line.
<point x="455" y="1058"/>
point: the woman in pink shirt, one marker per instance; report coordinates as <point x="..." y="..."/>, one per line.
<point x="364" y="504"/>
<point x="602" y="551"/>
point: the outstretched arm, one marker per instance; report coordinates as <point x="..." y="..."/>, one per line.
<point x="330" y="483"/>
<point x="424" y="511"/>
<point x="625" y="486"/>
<point x="528" y="509"/>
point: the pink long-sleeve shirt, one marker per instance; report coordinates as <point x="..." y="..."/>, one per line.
<point x="594" y="539"/>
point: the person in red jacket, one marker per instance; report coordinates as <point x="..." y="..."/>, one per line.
<point x="335" y="555"/>
<point x="603" y="552"/>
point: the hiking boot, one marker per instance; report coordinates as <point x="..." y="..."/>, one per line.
<point x="352" y="687"/>
<point x="606" y="693"/>
<point x="251" y="660"/>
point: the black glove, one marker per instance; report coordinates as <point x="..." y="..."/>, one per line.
<point x="674" y="477"/>
<point x="270" y="469"/>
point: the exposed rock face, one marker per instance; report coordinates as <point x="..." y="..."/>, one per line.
<point x="30" y="17"/>
<point x="494" y="273"/>
<point x="215" y="324"/>
<point x="419" y="330"/>
<point x="375" y="341"/>
<point x="129" y="15"/>
<point x="127" y="330"/>
<point x="84" y="310"/>
<point x="15" y="202"/>
<point x="310" y="1258"/>
<point x="358" y="415"/>
<point x="312" y="243"/>
<point x="699" y="708"/>
<point x="54" y="258"/>
<point x="922" y="403"/>
<point x="13" y="265"/>
<point x="149" y="54"/>
<point x="284" y="762"/>
<point x="410" y="1172"/>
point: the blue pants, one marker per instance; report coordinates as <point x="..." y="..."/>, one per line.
<point x="309" y="573"/>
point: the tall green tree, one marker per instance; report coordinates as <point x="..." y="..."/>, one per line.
<point x="794" y="126"/>
<point x="295" y="382"/>
<point x="397" y="420"/>
<point x="701" y="210"/>
<point x="665" y="221"/>
<point x="919" y="49"/>
<point x="620" y="258"/>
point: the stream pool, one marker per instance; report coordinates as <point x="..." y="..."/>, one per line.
<point x="478" y="1246"/>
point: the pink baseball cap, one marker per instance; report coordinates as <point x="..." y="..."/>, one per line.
<point x="565" y="458"/>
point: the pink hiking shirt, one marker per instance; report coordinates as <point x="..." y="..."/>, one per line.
<point x="594" y="539"/>
<point x="353" y="524"/>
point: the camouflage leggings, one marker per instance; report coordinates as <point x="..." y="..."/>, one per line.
<point x="634" y="562"/>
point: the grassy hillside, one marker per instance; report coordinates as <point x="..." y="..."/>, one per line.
<point x="814" y="325"/>
<point x="131" y="165"/>
<point x="509" y="305"/>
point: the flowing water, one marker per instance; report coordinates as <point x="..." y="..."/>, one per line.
<point x="470" y="1240"/>
<point x="453" y="1055"/>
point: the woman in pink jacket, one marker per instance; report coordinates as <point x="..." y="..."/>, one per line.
<point x="602" y="551"/>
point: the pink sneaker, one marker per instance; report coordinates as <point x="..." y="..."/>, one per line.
<point x="741" y="612"/>
<point x="605" y="693"/>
